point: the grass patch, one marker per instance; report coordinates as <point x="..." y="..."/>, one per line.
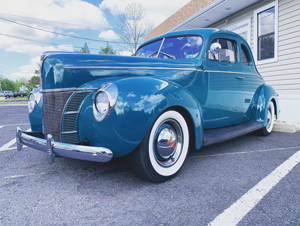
<point x="14" y="99"/>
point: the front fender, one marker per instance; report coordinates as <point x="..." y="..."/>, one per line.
<point x="140" y="101"/>
<point x="35" y="118"/>
<point x="267" y="93"/>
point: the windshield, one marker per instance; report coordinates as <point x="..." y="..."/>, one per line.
<point x="149" y="50"/>
<point x="183" y="47"/>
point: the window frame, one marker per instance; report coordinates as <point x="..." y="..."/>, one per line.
<point x="234" y="45"/>
<point x="247" y="55"/>
<point x="255" y="49"/>
<point x="244" y="25"/>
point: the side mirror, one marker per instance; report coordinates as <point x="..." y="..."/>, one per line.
<point x="215" y="48"/>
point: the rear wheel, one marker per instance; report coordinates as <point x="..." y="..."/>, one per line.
<point x="265" y="131"/>
<point x="163" y="151"/>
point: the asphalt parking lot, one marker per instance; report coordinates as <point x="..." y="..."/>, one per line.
<point x="250" y="180"/>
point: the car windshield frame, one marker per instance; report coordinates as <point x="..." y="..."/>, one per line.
<point x="158" y="52"/>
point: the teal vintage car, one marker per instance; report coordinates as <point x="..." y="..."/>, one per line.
<point x="182" y="90"/>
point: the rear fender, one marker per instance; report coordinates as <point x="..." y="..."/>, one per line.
<point x="267" y="94"/>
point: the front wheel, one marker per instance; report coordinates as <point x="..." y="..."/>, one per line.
<point x="163" y="151"/>
<point x="265" y="131"/>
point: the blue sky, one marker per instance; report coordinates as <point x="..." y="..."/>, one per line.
<point x="91" y="19"/>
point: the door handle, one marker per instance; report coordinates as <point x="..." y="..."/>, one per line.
<point x="241" y="78"/>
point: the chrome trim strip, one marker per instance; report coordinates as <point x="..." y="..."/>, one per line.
<point x="129" y="68"/>
<point x="52" y="148"/>
<point x="233" y="72"/>
<point x="158" y="52"/>
<point x="68" y="132"/>
<point x="67" y="90"/>
<point x="71" y="112"/>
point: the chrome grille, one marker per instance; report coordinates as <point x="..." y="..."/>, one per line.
<point x="70" y="117"/>
<point x="53" y="108"/>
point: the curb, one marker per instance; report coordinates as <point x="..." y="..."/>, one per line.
<point x="284" y="128"/>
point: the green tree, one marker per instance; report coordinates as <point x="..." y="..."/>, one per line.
<point x="133" y="26"/>
<point x="84" y="49"/>
<point x="108" y="50"/>
<point x="7" y="84"/>
<point x="19" y="83"/>
<point x="34" y="82"/>
<point x="37" y="72"/>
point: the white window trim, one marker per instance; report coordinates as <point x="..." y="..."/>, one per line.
<point x="239" y="26"/>
<point x="255" y="49"/>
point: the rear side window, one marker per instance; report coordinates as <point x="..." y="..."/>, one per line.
<point x="227" y="53"/>
<point x="245" y="55"/>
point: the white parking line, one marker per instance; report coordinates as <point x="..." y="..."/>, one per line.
<point x="238" y="210"/>
<point x="6" y="146"/>
<point x="31" y="174"/>
<point x="14" y="125"/>
<point x="242" y="152"/>
<point x="8" y="105"/>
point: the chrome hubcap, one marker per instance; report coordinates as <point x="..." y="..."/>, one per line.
<point x="168" y="143"/>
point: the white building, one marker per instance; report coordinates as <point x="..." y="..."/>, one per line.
<point x="272" y="29"/>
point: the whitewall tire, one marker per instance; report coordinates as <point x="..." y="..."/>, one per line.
<point x="163" y="151"/>
<point x="265" y="131"/>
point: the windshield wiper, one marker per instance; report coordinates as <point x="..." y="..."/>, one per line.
<point x="152" y="54"/>
<point x="168" y="55"/>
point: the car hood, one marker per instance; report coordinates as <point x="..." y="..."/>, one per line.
<point x="74" y="70"/>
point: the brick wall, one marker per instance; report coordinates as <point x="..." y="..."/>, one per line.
<point x="182" y="14"/>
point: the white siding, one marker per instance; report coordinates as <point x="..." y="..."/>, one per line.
<point x="283" y="75"/>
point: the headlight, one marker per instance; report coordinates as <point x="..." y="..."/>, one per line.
<point x="33" y="100"/>
<point x="104" y="101"/>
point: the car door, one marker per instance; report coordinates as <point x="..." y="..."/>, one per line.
<point x="222" y="91"/>
<point x="252" y="80"/>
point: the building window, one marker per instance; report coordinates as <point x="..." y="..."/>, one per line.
<point x="243" y="29"/>
<point x="266" y="33"/>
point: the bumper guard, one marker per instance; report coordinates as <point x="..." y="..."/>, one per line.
<point x="52" y="148"/>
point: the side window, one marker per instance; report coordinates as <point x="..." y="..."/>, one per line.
<point x="245" y="55"/>
<point x="227" y="53"/>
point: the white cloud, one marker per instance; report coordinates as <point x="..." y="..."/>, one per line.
<point x="108" y="35"/>
<point x="69" y="13"/>
<point x="157" y="10"/>
<point x="64" y="11"/>
<point x="26" y="71"/>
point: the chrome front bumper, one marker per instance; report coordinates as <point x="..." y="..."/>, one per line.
<point x="52" y="148"/>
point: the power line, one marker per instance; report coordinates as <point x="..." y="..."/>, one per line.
<point x="51" y="21"/>
<point x="53" y="32"/>
<point x="48" y="43"/>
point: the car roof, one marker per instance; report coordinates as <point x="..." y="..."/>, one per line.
<point x="204" y="32"/>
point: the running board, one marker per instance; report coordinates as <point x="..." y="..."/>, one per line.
<point x="213" y="136"/>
